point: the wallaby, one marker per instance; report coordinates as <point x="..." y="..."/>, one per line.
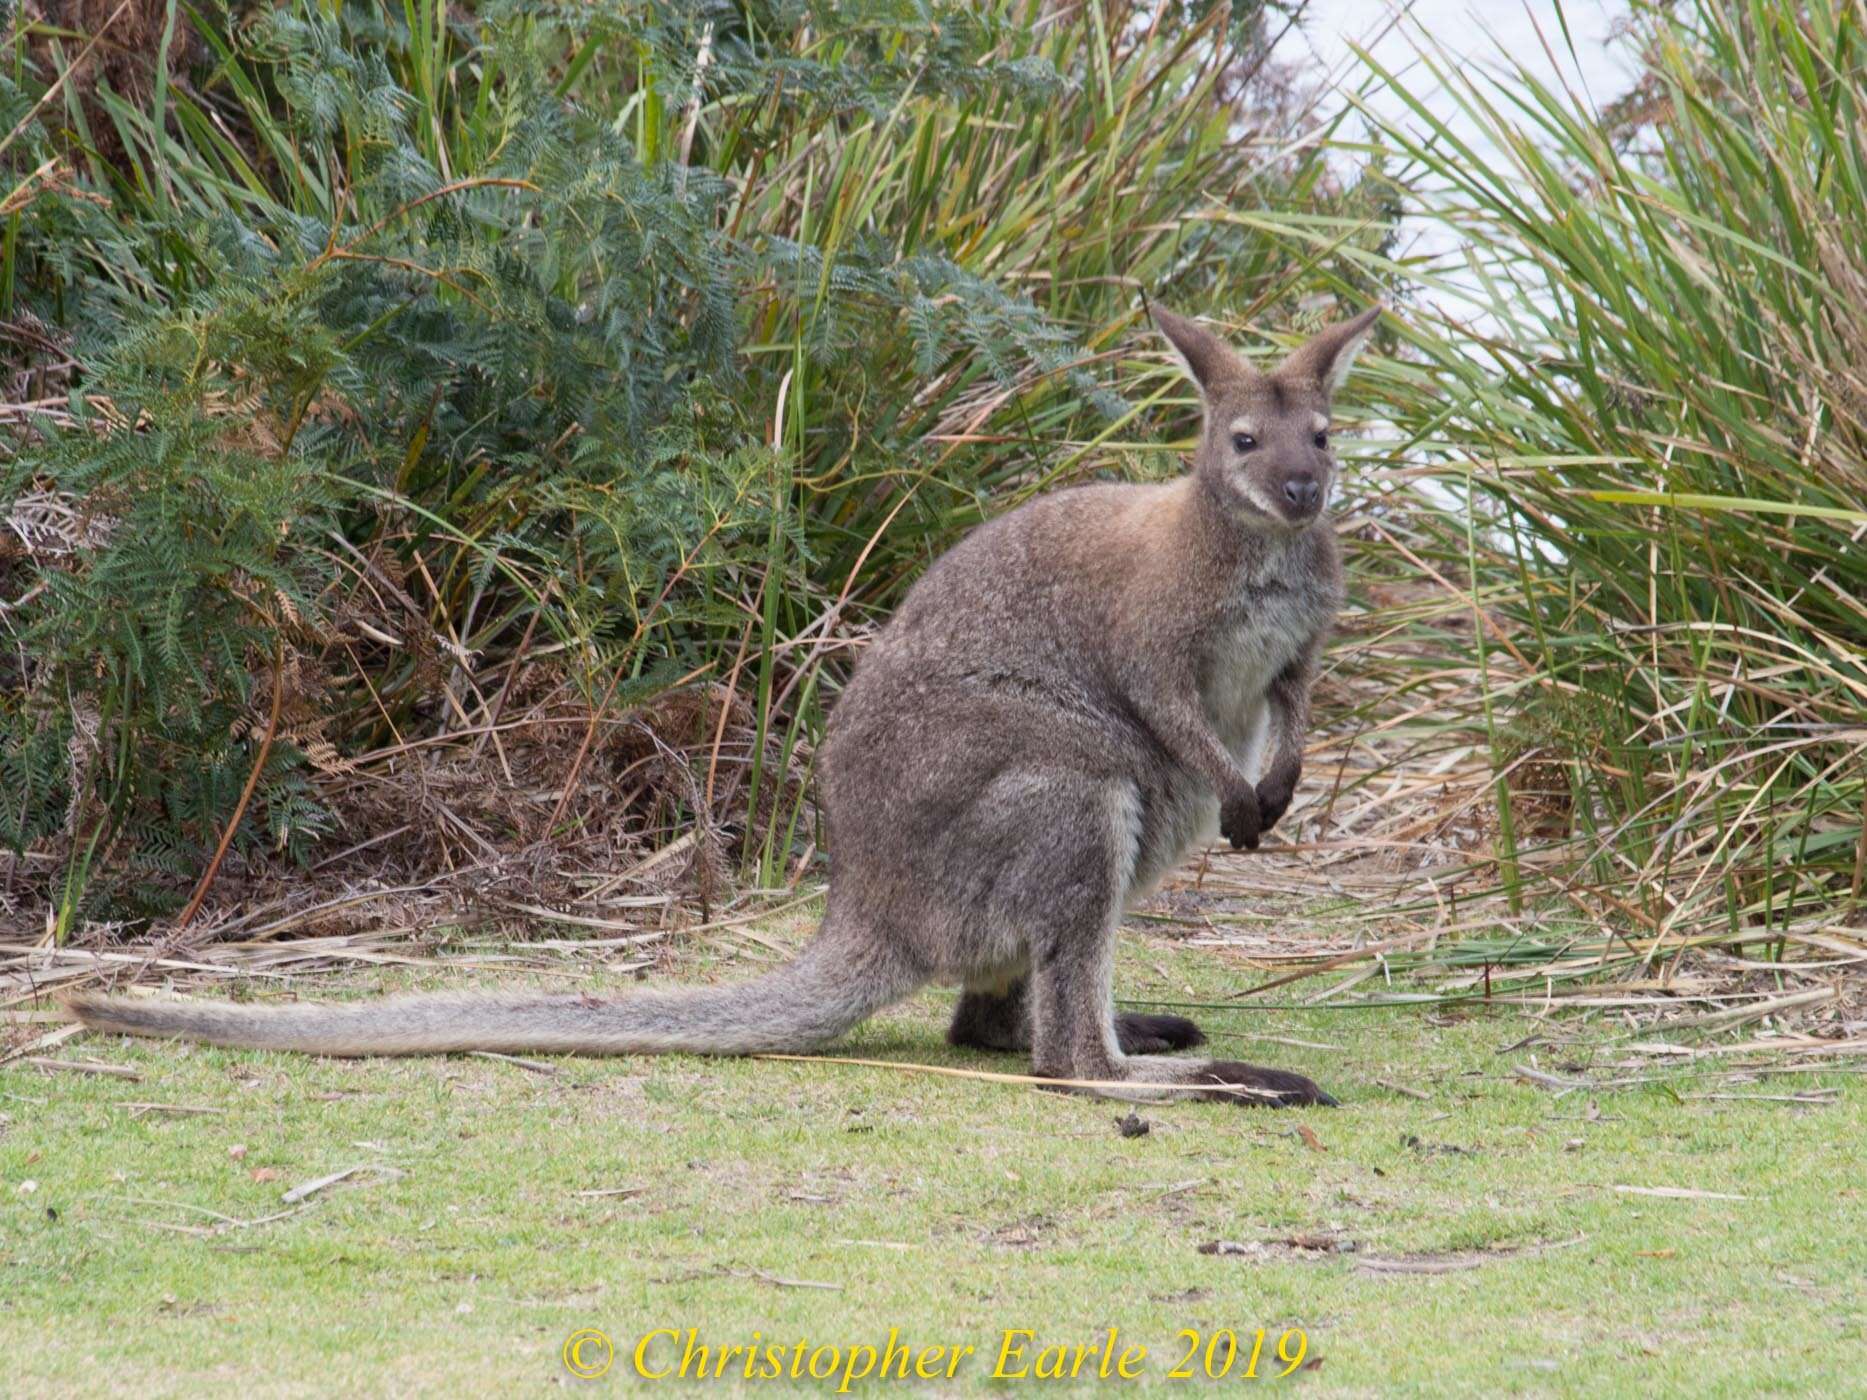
<point x="1066" y="704"/>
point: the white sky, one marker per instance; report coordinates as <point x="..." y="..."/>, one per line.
<point x="1480" y="30"/>
<point x="1487" y="33"/>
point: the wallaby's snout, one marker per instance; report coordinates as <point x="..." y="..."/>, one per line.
<point x="1302" y="496"/>
<point x="1266" y="449"/>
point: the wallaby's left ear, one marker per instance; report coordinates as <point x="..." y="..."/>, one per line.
<point x="1326" y="357"/>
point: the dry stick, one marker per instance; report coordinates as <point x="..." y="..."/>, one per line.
<point x="1860" y="855"/>
<point x="461" y="668"/>
<point x="22" y="194"/>
<point x="246" y="795"/>
<point x="694" y="103"/>
<point x="491" y="727"/>
<point x="1000" y="1077"/>
<point x="82" y="1067"/>
<point x="44" y="1042"/>
<point x="535" y="1066"/>
<point x="732" y="693"/>
<point x="186" y="1110"/>
<point x="1372" y="950"/>
<point x="1738" y="1015"/>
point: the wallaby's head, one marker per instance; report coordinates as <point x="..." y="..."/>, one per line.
<point x="1265" y="446"/>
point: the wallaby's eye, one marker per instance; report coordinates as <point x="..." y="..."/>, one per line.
<point x="1322" y="438"/>
<point x="1243" y="442"/>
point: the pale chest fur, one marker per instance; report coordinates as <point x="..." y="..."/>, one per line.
<point x="1262" y="623"/>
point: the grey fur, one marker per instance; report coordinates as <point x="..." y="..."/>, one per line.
<point x="1065" y="705"/>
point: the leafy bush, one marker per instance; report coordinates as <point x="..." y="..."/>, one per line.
<point x="374" y="366"/>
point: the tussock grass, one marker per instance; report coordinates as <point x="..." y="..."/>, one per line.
<point x="1645" y="409"/>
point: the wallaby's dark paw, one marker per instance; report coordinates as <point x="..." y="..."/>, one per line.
<point x="1255" y="1086"/>
<point x="1275" y="792"/>
<point x="1272" y="804"/>
<point x="1240" y="822"/>
<point x="1142" y="1034"/>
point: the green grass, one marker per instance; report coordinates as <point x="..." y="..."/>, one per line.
<point x="949" y="1209"/>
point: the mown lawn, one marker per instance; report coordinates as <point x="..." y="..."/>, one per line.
<point x="1484" y="1246"/>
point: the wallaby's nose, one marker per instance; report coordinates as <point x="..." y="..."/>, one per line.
<point x="1303" y="493"/>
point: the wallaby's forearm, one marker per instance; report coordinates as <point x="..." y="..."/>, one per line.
<point x="1168" y="703"/>
<point x="1179" y="722"/>
<point x="1288" y="703"/>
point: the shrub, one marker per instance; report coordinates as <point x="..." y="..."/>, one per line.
<point x="388" y="366"/>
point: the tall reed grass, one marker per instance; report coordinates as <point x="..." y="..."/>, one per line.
<point x="1648" y="400"/>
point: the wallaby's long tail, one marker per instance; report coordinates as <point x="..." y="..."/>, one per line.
<point x="833" y="984"/>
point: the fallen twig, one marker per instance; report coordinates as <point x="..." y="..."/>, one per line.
<point x="1678" y="1193"/>
<point x="299" y="1193"/>
<point x="82" y="1067"/>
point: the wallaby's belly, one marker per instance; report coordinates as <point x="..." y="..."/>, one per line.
<point x="1183" y="817"/>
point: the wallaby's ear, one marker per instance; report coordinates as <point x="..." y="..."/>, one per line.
<point x="1326" y="357"/>
<point x="1207" y="358"/>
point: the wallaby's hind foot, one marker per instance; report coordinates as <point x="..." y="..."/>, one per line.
<point x="987" y="1019"/>
<point x="1256" y="1085"/>
<point x="1230" y="1081"/>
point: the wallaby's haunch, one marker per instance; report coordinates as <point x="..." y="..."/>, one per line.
<point x="1065" y="706"/>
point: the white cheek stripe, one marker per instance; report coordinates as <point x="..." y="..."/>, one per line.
<point x="1258" y="499"/>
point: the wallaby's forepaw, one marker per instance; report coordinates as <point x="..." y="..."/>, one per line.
<point x="1253" y="1085"/>
<point x="1141" y="1034"/>
<point x="1275" y="792"/>
<point x="1272" y="804"/>
<point x="1240" y="821"/>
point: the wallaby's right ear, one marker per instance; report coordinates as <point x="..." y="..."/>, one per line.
<point x="1208" y="359"/>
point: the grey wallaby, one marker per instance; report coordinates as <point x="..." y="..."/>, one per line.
<point x="1066" y="704"/>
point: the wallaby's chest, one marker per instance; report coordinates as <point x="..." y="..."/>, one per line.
<point x="1259" y="630"/>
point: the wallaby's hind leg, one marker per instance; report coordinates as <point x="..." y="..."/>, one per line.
<point x="1075" y="1038"/>
<point x="1072" y="996"/>
<point x="990" y="1019"/>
